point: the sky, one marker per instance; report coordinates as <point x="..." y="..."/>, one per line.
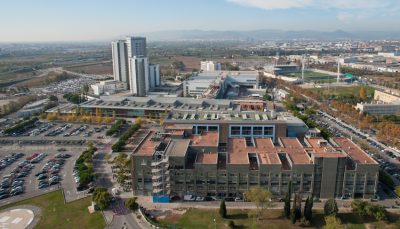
<point x="80" y="20"/>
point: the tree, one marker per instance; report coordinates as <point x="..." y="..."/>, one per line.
<point x="397" y="190"/>
<point x="231" y="224"/>
<point x="386" y="179"/>
<point x="222" y="209"/>
<point x="260" y="197"/>
<point x="358" y="206"/>
<point x="102" y="198"/>
<point x="331" y="222"/>
<point x="296" y="210"/>
<point x="363" y="93"/>
<point x="53" y="98"/>
<point x="308" y="208"/>
<point x="132" y="204"/>
<point x="330" y="207"/>
<point x="286" y="208"/>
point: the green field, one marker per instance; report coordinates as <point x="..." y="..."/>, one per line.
<point x="198" y="218"/>
<point x="343" y="91"/>
<point x="56" y="214"/>
<point x="307" y="74"/>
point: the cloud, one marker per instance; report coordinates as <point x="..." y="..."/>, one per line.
<point x="317" y="4"/>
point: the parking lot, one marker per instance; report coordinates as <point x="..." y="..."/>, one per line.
<point x="38" y="180"/>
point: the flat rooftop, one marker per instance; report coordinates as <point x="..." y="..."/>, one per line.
<point x="321" y="148"/>
<point x="147" y="146"/>
<point x="295" y="150"/>
<point x="354" y="151"/>
<point x="207" y="158"/>
<point x="177" y="147"/>
<point x="205" y="139"/>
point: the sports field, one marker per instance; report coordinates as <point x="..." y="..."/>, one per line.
<point x="308" y="74"/>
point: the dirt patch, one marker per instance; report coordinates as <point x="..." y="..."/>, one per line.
<point x="172" y="216"/>
<point x="96" y="68"/>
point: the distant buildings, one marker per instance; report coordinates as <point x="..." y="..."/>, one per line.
<point x="108" y="87"/>
<point x="33" y="108"/>
<point x="385" y="103"/>
<point x="210" y="66"/>
<point x="215" y="84"/>
<point x="136" y="46"/>
<point x="154" y="75"/>
<point x="130" y="65"/>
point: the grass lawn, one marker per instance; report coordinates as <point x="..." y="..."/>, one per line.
<point x="308" y="74"/>
<point x="343" y="91"/>
<point x="56" y="214"/>
<point x="272" y="219"/>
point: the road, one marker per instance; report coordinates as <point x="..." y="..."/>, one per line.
<point x="117" y="216"/>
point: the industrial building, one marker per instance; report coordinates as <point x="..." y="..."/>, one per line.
<point x="216" y="84"/>
<point x="385" y="103"/>
<point x="209" y="66"/>
<point x="108" y="87"/>
<point x="224" y="158"/>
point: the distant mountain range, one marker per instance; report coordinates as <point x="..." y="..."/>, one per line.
<point x="258" y="35"/>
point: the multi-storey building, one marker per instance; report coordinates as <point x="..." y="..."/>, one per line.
<point x="209" y="159"/>
<point x="136" y="46"/>
<point x="130" y="64"/>
<point x="120" y="61"/>
<point x="139" y="75"/>
<point x="154" y="75"/>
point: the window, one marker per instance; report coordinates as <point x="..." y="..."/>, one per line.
<point x="246" y="130"/>
<point x="268" y="130"/>
<point x="257" y="130"/>
<point x="213" y="128"/>
<point x="201" y="129"/>
<point x="235" y="130"/>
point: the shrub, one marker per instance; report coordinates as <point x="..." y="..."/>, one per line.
<point x="330" y="207"/>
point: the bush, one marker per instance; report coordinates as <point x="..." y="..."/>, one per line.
<point x="85" y="167"/>
<point x="102" y="198"/>
<point x="119" y="145"/>
<point x="131" y="204"/>
<point x="386" y="179"/>
<point x="21" y="126"/>
<point x="330" y="207"/>
<point x="116" y="127"/>
<point x="231" y="224"/>
<point x="364" y="208"/>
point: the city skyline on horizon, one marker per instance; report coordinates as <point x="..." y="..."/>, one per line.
<point x="102" y="20"/>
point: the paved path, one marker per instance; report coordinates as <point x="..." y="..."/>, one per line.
<point x="20" y="217"/>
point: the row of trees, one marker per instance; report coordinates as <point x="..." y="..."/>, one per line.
<point x="84" y="167"/>
<point x="15" y="105"/>
<point x="294" y="213"/>
<point x="80" y="116"/>
<point x="20" y="126"/>
<point x="122" y="164"/>
<point x="119" y="145"/>
<point x="116" y="127"/>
